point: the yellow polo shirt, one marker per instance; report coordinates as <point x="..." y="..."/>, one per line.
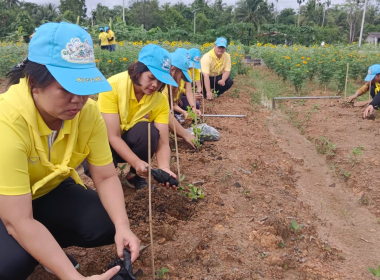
<point x="110" y="35"/>
<point x="365" y="88"/>
<point x="208" y="65"/>
<point x="103" y="37"/>
<point x="23" y="156"/>
<point x="197" y="73"/>
<point x="122" y="100"/>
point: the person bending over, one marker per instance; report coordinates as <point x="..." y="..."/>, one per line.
<point x="48" y="127"/>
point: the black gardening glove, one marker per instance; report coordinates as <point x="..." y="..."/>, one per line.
<point x="126" y="270"/>
<point x="163" y="177"/>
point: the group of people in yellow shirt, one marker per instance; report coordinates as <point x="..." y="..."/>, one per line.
<point x="107" y="39"/>
<point x="50" y="126"/>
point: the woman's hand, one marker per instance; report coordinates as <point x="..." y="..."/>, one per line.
<point x="352" y="98"/>
<point x="189" y="138"/>
<point x="209" y="96"/>
<point x="125" y="238"/>
<point x="167" y="170"/>
<point x="185" y="115"/>
<point x="368" y="111"/>
<point x="106" y="275"/>
<point x="199" y="113"/>
<point x="141" y="170"/>
<point x="199" y="96"/>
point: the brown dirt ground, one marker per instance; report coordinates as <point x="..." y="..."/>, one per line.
<point x="255" y="184"/>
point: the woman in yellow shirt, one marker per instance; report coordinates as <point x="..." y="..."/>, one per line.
<point x="48" y="127"/>
<point x="134" y="101"/>
<point x="103" y="39"/>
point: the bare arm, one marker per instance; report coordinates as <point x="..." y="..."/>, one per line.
<point x="225" y="75"/>
<point x="181" y="132"/>
<point x="17" y="215"/>
<point x="114" y="137"/>
<point x="111" y="194"/>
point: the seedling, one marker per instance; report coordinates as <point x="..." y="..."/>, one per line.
<point x="191" y="114"/>
<point x="374" y="271"/>
<point x="215" y="92"/>
<point x="282" y="245"/>
<point x="295" y="227"/>
<point x="161" y="272"/>
<point x="325" y="147"/>
<point x="316" y="107"/>
<point x="347" y="175"/>
<point x="122" y="168"/>
<point x="245" y="192"/>
<point x="194" y="192"/>
<point x="197" y="133"/>
<point x="357" y="151"/>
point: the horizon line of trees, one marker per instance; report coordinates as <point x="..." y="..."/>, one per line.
<point x="247" y="21"/>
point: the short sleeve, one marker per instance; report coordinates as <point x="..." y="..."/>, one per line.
<point x="205" y="64"/>
<point x="364" y="88"/>
<point x="14" y="175"/>
<point x="163" y="115"/>
<point x="108" y="101"/>
<point x="228" y="63"/>
<point x="100" y="152"/>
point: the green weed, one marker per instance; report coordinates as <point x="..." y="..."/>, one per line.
<point x="160" y="274"/>
<point x="375" y="272"/>
<point x="295" y="227"/>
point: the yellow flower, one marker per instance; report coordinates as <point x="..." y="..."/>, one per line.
<point x="259" y="44"/>
<point x="96" y="60"/>
<point x="333" y="59"/>
<point x="302" y="57"/>
<point x="12" y="61"/>
<point x="124" y="58"/>
<point x="307" y="71"/>
<point x="232" y="43"/>
<point x="298" y="65"/>
<point x="308" y="58"/>
<point x="304" y="62"/>
<point x="358" y="59"/>
<point x="323" y="55"/>
<point x="280" y="64"/>
<point x="234" y="63"/>
<point x="109" y="61"/>
<point x="239" y="48"/>
<point x="287" y="57"/>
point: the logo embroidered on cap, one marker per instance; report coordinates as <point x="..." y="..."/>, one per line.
<point x="78" y="52"/>
<point x="166" y="63"/>
<point x="197" y="59"/>
<point x="189" y="57"/>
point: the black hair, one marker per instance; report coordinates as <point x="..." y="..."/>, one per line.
<point x="136" y="69"/>
<point x="37" y="74"/>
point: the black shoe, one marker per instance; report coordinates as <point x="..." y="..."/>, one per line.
<point x="72" y="260"/>
<point x="135" y="181"/>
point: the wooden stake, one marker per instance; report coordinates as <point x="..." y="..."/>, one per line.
<point x="195" y="102"/>
<point x="150" y="200"/>
<point x="175" y="135"/>
<point x="203" y="99"/>
<point x="345" y="87"/>
<point x="370" y="84"/>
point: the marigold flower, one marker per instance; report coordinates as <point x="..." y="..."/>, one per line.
<point x="109" y="61"/>
<point x="298" y="65"/>
<point x="304" y="62"/>
<point x="96" y="60"/>
<point x="124" y="58"/>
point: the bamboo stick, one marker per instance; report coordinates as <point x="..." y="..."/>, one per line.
<point x="150" y="200"/>
<point x="345" y="87"/>
<point x="203" y="99"/>
<point x="195" y="109"/>
<point x="370" y="85"/>
<point x="175" y="136"/>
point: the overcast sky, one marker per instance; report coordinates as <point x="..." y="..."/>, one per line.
<point x="282" y="4"/>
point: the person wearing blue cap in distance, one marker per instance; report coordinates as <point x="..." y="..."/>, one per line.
<point x="216" y="69"/>
<point x="85" y="28"/>
<point x="134" y="101"/>
<point x="111" y="39"/>
<point x="49" y="126"/>
<point x="180" y="59"/>
<point x="103" y="39"/>
<point x="373" y="84"/>
<point x="187" y="95"/>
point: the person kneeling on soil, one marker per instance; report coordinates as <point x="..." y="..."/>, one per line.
<point x="49" y="126"/>
<point x="185" y="89"/>
<point x="134" y="101"/>
<point x="374" y="77"/>
<point x="216" y="68"/>
<point x="179" y="72"/>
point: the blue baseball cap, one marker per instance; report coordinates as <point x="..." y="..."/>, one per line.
<point x="157" y="59"/>
<point x="67" y="52"/>
<point x="106" y="28"/>
<point x="101" y="29"/>
<point x="85" y="28"/>
<point x="181" y="59"/>
<point x="195" y="58"/>
<point x="372" y="72"/>
<point x="221" y="42"/>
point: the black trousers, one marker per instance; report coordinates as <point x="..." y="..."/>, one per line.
<point x="220" y="89"/>
<point x="73" y="215"/>
<point x="137" y="140"/>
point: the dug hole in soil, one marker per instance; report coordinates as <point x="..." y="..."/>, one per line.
<point x="255" y="185"/>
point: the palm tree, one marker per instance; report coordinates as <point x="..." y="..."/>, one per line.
<point x="251" y="11"/>
<point x="299" y="12"/>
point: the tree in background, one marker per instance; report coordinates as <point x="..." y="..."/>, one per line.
<point x="287" y="17"/>
<point x="252" y="11"/>
<point x="78" y="7"/>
